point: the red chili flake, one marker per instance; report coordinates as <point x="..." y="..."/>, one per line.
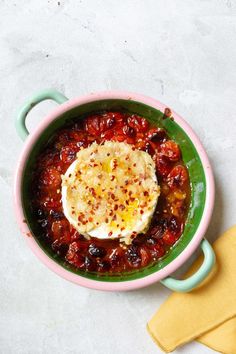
<point x="97" y="223"/>
<point x="132" y="200"/>
<point x="110" y="233"/>
<point x="95" y="165"/>
<point x="108" y="154"/>
<point x="114" y="164"/>
<point x="134" y="164"/>
<point x="117" y="225"/>
<point x="141" y="211"/>
<point x="112" y="178"/>
<point x="116" y="207"/>
<point x="133" y="148"/>
<point x="127" y="158"/>
<point x="122" y="229"/>
<point x="106" y="220"/>
<point x="126" y="182"/>
<point x="129" y="169"/>
<point x="145" y="193"/>
<point x="112" y="196"/>
<point x="167" y="112"/>
<point x="130" y="193"/>
<point x="92" y="191"/>
<point x="82" y="219"/>
<point x="73" y="212"/>
<point x="127" y="202"/>
<point x="90" y="219"/>
<point x="69" y="175"/>
<point x="136" y="180"/>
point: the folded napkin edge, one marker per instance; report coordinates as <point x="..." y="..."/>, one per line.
<point x="165" y="350"/>
<point x="189" y="338"/>
<point x="210" y="346"/>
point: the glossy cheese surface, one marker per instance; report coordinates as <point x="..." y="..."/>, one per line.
<point x="110" y="191"/>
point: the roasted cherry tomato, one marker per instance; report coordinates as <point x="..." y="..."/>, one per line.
<point x="170" y="150"/>
<point x="169" y="238"/>
<point x="138" y="123"/>
<point x="177" y="177"/>
<point x="92" y="125"/>
<point x="51" y="177"/>
<point x="163" y="166"/>
<point x="68" y="152"/>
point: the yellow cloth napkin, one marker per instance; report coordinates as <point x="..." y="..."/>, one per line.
<point x="208" y="313"/>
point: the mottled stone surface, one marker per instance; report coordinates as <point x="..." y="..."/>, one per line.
<point x="181" y="52"/>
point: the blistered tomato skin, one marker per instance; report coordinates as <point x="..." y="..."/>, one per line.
<point x="51" y="177"/>
<point x="177" y="177"/>
<point x="138" y="123"/>
<point x="170" y="150"/>
<point x="68" y="153"/>
<point x="163" y="166"/>
<point x="109" y="256"/>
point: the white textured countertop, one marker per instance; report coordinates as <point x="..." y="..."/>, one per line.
<point x="181" y="52"/>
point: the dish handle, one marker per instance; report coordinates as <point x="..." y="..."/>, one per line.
<point x="195" y="279"/>
<point x="49" y="94"/>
